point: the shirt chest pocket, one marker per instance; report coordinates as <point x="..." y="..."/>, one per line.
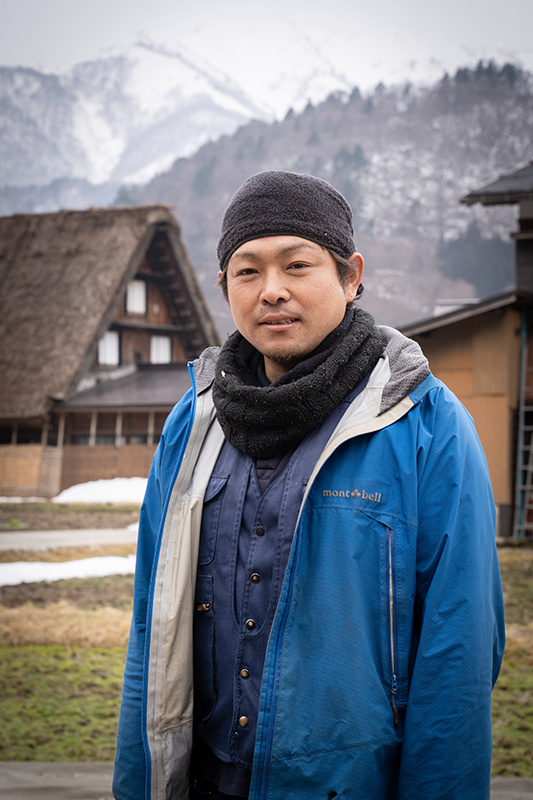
<point x="211" y="511"/>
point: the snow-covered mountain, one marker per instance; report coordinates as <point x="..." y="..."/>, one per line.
<point x="402" y="154"/>
<point x="127" y="116"/>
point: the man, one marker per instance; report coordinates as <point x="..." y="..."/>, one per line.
<point x="318" y="608"/>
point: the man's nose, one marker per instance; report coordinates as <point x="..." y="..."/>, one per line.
<point x="274" y="288"/>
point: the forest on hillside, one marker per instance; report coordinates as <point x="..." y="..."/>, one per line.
<point x="403" y="157"/>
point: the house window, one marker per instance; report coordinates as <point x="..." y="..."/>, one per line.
<point x="6" y="435"/>
<point x="136" y="297"/>
<point x="106" y="425"/>
<point x="160" y="349"/>
<point x="29" y="435"/>
<point x="135" y="427"/>
<point x="109" y="349"/>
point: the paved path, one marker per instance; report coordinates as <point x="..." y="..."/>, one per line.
<point x="44" y="780"/>
<point x="511" y="789"/>
<point x="75" y="780"/>
<point x="47" y="540"/>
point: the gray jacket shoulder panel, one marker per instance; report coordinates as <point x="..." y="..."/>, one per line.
<point x="408" y="367"/>
<point x="204" y="368"/>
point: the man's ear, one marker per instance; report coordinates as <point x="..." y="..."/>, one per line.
<point x="355" y="276"/>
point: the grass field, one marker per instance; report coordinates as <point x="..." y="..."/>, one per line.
<point x="60" y="666"/>
<point x="512" y="699"/>
<point x="60" y="701"/>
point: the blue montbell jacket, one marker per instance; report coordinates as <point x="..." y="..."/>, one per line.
<point x="389" y="631"/>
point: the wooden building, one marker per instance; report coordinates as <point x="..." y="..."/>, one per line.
<point x="483" y="353"/>
<point x="99" y="313"/>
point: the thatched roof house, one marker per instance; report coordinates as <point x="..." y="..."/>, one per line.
<point x="62" y="278"/>
<point x="88" y="298"/>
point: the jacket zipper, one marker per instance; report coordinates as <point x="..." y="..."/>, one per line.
<point x="263" y="765"/>
<point x="392" y="631"/>
<point x="263" y="760"/>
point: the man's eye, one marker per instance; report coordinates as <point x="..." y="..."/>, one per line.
<point x="298" y="265"/>
<point x="246" y="271"/>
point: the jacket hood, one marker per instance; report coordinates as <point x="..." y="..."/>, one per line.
<point x="408" y="367"/>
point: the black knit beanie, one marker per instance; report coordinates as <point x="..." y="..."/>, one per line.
<point x="286" y="204"/>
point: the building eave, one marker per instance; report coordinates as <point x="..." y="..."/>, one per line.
<point x="496" y="198"/>
<point x="467" y="312"/>
<point x="510" y="189"/>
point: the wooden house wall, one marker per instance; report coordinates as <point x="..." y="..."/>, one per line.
<point x="32" y="470"/>
<point x="479" y="360"/>
<point x="133" y="342"/>
<point x="29" y="470"/>
<point x="82" y="463"/>
<point x="43" y="470"/>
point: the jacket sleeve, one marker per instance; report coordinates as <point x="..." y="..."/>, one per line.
<point x="447" y="741"/>
<point x="130" y="774"/>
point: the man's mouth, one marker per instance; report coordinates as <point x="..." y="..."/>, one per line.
<point x="278" y="321"/>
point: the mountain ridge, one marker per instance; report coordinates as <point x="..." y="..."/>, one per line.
<point x="96" y="120"/>
<point x="402" y="155"/>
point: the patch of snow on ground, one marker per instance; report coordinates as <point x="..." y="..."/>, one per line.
<point x="116" y="490"/>
<point x="36" y="571"/>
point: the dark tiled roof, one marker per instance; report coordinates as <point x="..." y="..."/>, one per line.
<point x="509" y="188"/>
<point x="519" y="298"/>
<point x="150" y="386"/>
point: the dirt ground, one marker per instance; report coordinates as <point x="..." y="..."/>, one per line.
<point x="71" y="516"/>
<point x="115" y="591"/>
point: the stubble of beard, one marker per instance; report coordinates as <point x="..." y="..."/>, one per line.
<point x="286" y="357"/>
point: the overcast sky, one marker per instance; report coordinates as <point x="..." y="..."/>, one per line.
<point x="366" y="42"/>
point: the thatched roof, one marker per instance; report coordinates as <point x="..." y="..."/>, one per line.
<point x="507" y="189"/>
<point x="62" y="276"/>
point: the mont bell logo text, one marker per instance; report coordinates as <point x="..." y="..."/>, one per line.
<point x="355" y="493"/>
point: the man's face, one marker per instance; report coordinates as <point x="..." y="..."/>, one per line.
<point x="285" y="297"/>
